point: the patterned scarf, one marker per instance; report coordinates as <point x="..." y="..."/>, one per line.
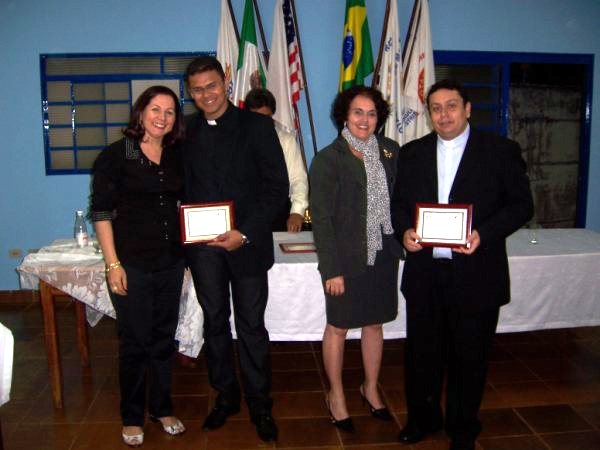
<point x="378" y="197"/>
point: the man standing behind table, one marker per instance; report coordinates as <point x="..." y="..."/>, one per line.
<point x="291" y="216"/>
<point x="232" y="154"/>
<point x="453" y="297"/>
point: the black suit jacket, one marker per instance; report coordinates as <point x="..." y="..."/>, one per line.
<point x="338" y="202"/>
<point x="249" y="169"/>
<point x="491" y="176"/>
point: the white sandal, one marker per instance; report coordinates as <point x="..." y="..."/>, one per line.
<point x="175" y="429"/>
<point x="133" y="440"/>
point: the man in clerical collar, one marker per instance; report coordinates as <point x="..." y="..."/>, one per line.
<point x="453" y="296"/>
<point x="233" y="155"/>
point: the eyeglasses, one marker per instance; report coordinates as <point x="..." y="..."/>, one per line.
<point x="209" y="88"/>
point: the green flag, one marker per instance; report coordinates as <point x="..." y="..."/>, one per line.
<point x="357" y="55"/>
<point x="250" y="72"/>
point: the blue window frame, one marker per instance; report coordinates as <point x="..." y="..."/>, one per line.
<point x="487" y="75"/>
<point x="87" y="98"/>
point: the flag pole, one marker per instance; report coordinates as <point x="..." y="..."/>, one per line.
<point x="235" y="27"/>
<point x="308" y="107"/>
<point x="412" y="44"/>
<point x="300" y="139"/>
<point x="386" y="16"/>
<point x="262" y="33"/>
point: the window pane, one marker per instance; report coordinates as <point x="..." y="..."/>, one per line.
<point x="189" y="108"/>
<point x="89" y="91"/>
<point x="91" y="136"/>
<point x="89" y="114"/>
<point x="483" y="117"/>
<point x="483" y="73"/>
<point x="61" y="137"/>
<point x="117" y="91"/>
<point x="177" y="64"/>
<point x="102" y="65"/>
<point x="62" y="159"/>
<point x="59" y="91"/>
<point x="59" y="115"/>
<point x="117" y="113"/>
<point x="86" y="158"/>
<point x="483" y="95"/>
<point x="114" y="134"/>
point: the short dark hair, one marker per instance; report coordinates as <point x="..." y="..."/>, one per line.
<point x="135" y="129"/>
<point x="452" y="85"/>
<point x="341" y="105"/>
<point x="203" y="64"/>
<point x="258" y="97"/>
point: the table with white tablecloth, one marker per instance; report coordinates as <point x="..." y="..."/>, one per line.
<point x="554" y="283"/>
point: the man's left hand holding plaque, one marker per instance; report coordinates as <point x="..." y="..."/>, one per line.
<point x="203" y="222"/>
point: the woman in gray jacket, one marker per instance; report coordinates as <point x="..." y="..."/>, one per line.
<point x="351" y="181"/>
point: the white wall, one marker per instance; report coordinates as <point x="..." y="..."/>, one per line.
<point x="37" y="208"/>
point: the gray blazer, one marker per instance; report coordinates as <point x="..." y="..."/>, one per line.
<point x="338" y="203"/>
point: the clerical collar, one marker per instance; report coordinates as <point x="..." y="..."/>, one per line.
<point x="222" y="118"/>
<point x="458" y="141"/>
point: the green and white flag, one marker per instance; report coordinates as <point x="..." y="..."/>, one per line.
<point x="250" y="72"/>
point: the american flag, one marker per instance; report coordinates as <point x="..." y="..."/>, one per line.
<point x="284" y="77"/>
<point x="293" y="53"/>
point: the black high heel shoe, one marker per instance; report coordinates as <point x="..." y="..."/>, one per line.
<point x="343" y="424"/>
<point x="379" y="413"/>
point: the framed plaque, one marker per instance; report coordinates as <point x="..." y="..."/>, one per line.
<point x="443" y="225"/>
<point x="202" y="222"/>
<point x="298" y="247"/>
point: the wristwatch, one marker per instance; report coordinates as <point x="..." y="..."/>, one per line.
<point x="245" y="239"/>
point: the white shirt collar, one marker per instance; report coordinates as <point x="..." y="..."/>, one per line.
<point x="459" y="141"/>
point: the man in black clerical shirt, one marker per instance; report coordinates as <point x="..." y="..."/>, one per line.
<point x="234" y="155"/>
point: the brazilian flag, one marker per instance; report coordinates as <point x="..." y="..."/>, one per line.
<point x="357" y="55"/>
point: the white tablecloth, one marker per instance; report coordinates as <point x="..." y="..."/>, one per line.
<point x="7" y="344"/>
<point x="555" y="284"/>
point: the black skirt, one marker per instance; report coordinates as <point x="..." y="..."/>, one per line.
<point x="370" y="298"/>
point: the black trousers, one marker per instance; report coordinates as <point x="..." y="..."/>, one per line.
<point x="146" y="324"/>
<point x="213" y="276"/>
<point x="447" y="329"/>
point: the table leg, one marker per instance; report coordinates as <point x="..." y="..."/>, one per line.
<point x="51" y="338"/>
<point x="82" y="334"/>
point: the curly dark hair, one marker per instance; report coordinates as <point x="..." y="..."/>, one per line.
<point x="135" y="129"/>
<point x="341" y="105"/>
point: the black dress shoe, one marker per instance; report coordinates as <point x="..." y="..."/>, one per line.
<point x="378" y="413"/>
<point x="265" y="427"/>
<point x="413" y="433"/>
<point x="218" y="416"/>
<point x="462" y="445"/>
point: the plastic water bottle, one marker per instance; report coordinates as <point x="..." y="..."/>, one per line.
<point x="80" y="230"/>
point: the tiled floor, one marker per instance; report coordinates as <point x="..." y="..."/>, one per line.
<point x="543" y="392"/>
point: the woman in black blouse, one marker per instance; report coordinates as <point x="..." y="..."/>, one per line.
<point x="137" y="182"/>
